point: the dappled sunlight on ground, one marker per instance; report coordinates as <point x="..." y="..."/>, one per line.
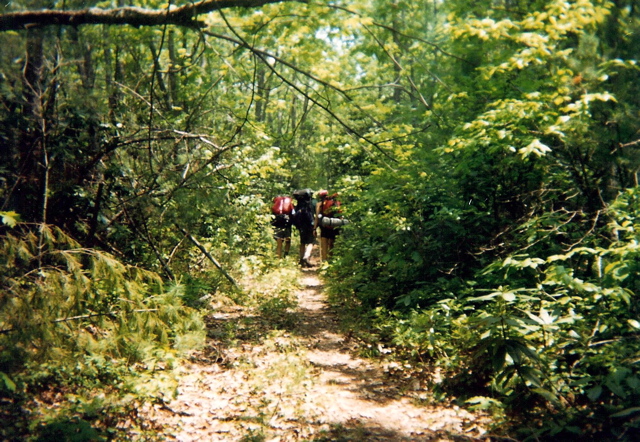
<point x="304" y="382"/>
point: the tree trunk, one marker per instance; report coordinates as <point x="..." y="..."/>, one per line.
<point x="159" y="79"/>
<point x="27" y="195"/>
<point x="172" y="71"/>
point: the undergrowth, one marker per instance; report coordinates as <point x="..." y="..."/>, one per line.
<point x="547" y="343"/>
<point x="84" y="339"/>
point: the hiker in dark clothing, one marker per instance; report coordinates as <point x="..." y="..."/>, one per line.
<point x="304" y="221"/>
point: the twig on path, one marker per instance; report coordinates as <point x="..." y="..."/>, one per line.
<point x="179" y="413"/>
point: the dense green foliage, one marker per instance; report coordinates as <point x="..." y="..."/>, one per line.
<point x="486" y="152"/>
<point x="75" y="320"/>
<point x="502" y="246"/>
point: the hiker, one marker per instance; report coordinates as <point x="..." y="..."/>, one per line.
<point x="304" y="222"/>
<point x="282" y="213"/>
<point x="327" y="207"/>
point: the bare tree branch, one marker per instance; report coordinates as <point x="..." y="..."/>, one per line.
<point x="264" y="56"/>
<point x="185" y="15"/>
<point x="208" y="255"/>
<point x="392" y="29"/>
<point x="631" y="144"/>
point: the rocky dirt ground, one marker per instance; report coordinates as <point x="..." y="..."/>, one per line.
<point x="302" y="382"/>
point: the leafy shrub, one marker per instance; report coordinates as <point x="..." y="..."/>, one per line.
<point x="75" y="322"/>
<point x="552" y="337"/>
<point x="72" y="430"/>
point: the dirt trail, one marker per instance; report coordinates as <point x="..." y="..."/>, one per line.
<point x="302" y="384"/>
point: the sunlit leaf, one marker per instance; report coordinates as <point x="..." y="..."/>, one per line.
<point x="536" y="148"/>
<point x="10" y="218"/>
<point x="634" y="323"/>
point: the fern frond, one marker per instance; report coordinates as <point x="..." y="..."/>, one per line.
<point x="61" y="299"/>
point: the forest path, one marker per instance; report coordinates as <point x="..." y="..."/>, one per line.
<point x="305" y="383"/>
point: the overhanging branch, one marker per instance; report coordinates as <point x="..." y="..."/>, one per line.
<point x="185" y="15"/>
<point x="264" y="56"/>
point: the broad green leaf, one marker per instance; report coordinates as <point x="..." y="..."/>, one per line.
<point x="548" y="395"/>
<point x="8" y="383"/>
<point x="594" y="393"/>
<point x="626" y="412"/>
<point x="531" y="375"/>
<point x="10" y="218"/>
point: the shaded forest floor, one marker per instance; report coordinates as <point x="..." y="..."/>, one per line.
<point x="303" y="380"/>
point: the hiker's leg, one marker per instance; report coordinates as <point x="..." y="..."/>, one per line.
<point x="307" y="252"/>
<point x="287" y="245"/>
<point x="279" y="247"/>
<point x="329" y="246"/>
<point x="323" y="249"/>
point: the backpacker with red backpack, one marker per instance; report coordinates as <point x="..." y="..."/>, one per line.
<point x="281" y="210"/>
<point x="330" y="212"/>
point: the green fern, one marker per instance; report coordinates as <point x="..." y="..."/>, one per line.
<point x="77" y="317"/>
<point x="59" y="299"/>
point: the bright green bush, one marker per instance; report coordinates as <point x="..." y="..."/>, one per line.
<point x="76" y="325"/>
<point x="501" y="245"/>
<point x="551" y="337"/>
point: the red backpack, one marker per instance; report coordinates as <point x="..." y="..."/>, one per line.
<point x="282" y="205"/>
<point x="330" y="206"/>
